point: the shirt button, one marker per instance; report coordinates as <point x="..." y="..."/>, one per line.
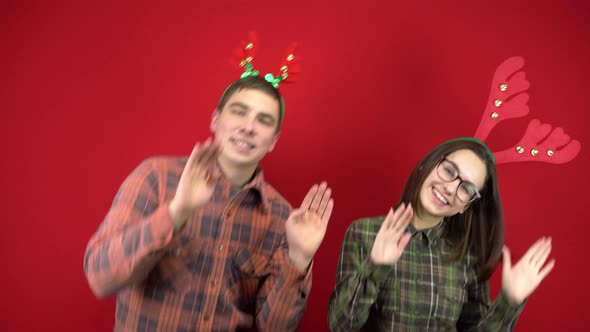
<point x="228" y="214"/>
<point x="221" y="247"/>
<point x="214" y="282"/>
<point x="177" y="252"/>
<point x="206" y="317"/>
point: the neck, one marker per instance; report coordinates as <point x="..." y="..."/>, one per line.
<point x="425" y="221"/>
<point x="238" y="175"/>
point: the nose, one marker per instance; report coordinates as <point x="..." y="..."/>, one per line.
<point x="451" y="187"/>
<point x="248" y="126"/>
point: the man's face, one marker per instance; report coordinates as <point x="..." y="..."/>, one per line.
<point x="246" y="127"/>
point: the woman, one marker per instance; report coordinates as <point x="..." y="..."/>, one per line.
<point x="429" y="270"/>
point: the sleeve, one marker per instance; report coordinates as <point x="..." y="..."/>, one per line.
<point x="477" y="314"/>
<point x="357" y="283"/>
<point x="132" y="237"/>
<point x="282" y="300"/>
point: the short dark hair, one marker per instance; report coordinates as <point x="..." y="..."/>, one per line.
<point x="481" y="227"/>
<point x="253" y="83"/>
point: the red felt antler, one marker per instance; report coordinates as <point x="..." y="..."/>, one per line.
<point x="508" y="100"/>
<point x="245" y="53"/>
<point x="499" y="107"/>
<point x="540" y="143"/>
<point x="290" y="65"/>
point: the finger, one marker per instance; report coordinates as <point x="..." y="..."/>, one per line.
<point x="507" y="264"/>
<point x="207" y="151"/>
<point x="396" y="214"/>
<point x="210" y="159"/>
<point x="328" y="211"/>
<point x="388" y="220"/>
<point x="533" y="249"/>
<point x="211" y="178"/>
<point x="545" y="271"/>
<point x="405" y="218"/>
<point x="193" y="156"/>
<point x="315" y="203"/>
<point x="403" y="242"/>
<point x="199" y="173"/>
<point x="325" y="199"/>
<point x="309" y="197"/>
<point x="539" y="260"/>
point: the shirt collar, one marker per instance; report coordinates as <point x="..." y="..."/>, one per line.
<point x="431" y="234"/>
<point x="256" y="184"/>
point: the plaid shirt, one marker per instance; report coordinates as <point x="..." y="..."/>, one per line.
<point x="227" y="268"/>
<point x="421" y="292"/>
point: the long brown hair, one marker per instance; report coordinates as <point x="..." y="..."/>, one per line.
<point x="480" y="228"/>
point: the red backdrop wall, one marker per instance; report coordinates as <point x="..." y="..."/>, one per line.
<point x="88" y="90"/>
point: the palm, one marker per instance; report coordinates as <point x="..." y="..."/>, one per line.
<point x="196" y="189"/>
<point x="197" y="182"/>
<point x="520" y="280"/>
<point x="305" y="232"/>
<point x="391" y="240"/>
<point x="307" y="225"/>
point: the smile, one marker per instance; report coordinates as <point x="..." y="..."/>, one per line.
<point x="241" y="144"/>
<point x="440" y="197"/>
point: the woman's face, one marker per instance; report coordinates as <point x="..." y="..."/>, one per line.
<point x="441" y="197"/>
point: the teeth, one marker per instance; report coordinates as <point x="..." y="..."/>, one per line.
<point x="440" y="197"/>
<point x="242" y="143"/>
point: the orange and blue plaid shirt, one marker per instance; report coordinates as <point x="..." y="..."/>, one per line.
<point x="227" y="268"/>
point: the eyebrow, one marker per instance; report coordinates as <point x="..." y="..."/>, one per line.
<point x="268" y="116"/>
<point x="239" y="104"/>
<point x="459" y="170"/>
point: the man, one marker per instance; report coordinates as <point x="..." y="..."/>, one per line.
<point x="204" y="243"/>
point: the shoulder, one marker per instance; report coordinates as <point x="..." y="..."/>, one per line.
<point x="275" y="198"/>
<point x="365" y="228"/>
<point x="158" y="164"/>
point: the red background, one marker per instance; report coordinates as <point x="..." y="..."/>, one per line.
<point x="88" y="90"/>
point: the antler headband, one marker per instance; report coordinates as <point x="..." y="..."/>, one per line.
<point x="245" y="54"/>
<point x="508" y="100"/>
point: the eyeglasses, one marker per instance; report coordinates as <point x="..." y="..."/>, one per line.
<point x="448" y="172"/>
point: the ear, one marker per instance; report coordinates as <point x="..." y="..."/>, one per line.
<point x="274" y="141"/>
<point x="214" y="120"/>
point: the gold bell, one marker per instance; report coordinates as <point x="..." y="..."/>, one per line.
<point x="497" y="102"/>
<point x="520" y="149"/>
<point x="290" y="57"/>
<point x="495" y="115"/>
<point x="550" y="152"/>
<point x="503" y="87"/>
<point x="249" y="46"/>
<point x="534" y="152"/>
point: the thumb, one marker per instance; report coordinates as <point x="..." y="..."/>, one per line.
<point x="403" y="242"/>
<point x="507" y="264"/>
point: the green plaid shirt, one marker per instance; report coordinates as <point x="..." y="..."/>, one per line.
<point x="420" y="292"/>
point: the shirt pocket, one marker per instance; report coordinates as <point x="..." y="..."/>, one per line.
<point x="180" y="266"/>
<point x="248" y="270"/>
<point x="250" y="264"/>
<point x="450" y="302"/>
